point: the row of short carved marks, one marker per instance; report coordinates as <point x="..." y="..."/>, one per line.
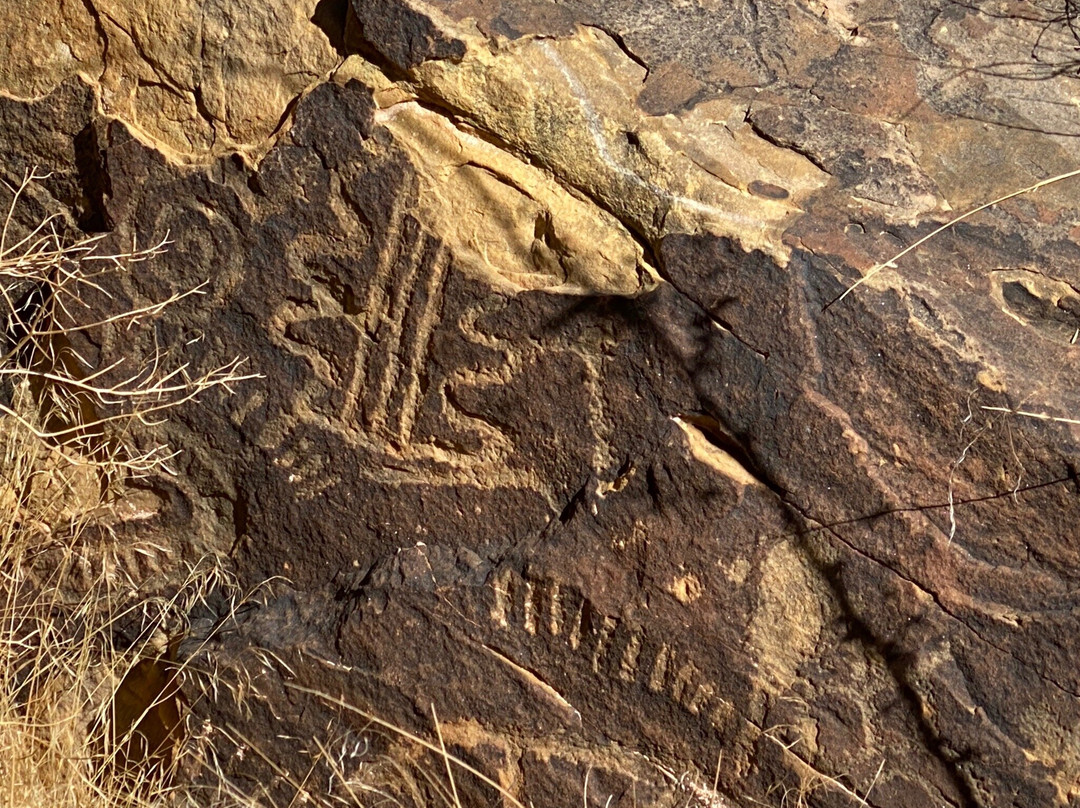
<point x="613" y="648"/>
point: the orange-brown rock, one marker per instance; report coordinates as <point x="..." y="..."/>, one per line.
<point x="564" y="427"/>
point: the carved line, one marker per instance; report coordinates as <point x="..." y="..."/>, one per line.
<point x="375" y="305"/>
<point x="391" y="327"/>
<point x="555" y="613"/>
<point x="603" y="636"/>
<point x="529" y="622"/>
<point x="574" y="639"/>
<point x="503" y="600"/>
<point x="427" y="320"/>
<point x="628" y="665"/>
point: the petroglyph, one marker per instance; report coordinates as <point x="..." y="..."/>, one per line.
<point x="788" y="621"/>
<point x="628" y="665"/>
<point x="368" y="339"/>
<point x="612" y="648"/>
<point x="407" y="300"/>
<point x="555" y="613"/>
<point x="500" y="585"/>
<point x="364" y="319"/>
<point x="529" y="623"/>
<point x="603" y="635"/>
<point x="574" y="638"/>
<point x="658" y="675"/>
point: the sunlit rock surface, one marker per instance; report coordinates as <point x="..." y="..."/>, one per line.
<point x="559" y="430"/>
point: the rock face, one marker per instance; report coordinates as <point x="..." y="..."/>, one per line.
<point x="563" y="426"/>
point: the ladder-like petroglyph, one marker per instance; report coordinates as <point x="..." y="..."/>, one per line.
<point x="617" y="649"/>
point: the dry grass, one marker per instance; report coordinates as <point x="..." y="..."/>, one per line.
<point x="891" y="263"/>
<point x="92" y="688"/>
<point x="91" y="711"/>
<point x="93" y="613"/>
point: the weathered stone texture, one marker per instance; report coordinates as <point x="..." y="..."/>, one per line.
<point x="564" y="427"/>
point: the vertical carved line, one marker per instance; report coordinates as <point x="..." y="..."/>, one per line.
<point x="374" y="306"/>
<point x="503" y="602"/>
<point x="555" y="611"/>
<point x="429" y="317"/>
<point x="658" y="675"/>
<point x="529" y="608"/>
<point x="607" y="626"/>
<point x="575" y="630"/>
<point x="602" y="456"/>
<point x="628" y="665"/>
<point x="389" y="247"/>
<point x="393" y="321"/>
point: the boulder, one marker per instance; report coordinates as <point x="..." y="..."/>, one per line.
<point x="567" y="426"/>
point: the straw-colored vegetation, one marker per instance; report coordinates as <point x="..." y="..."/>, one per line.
<point x="96" y="703"/>
<point x="90" y="706"/>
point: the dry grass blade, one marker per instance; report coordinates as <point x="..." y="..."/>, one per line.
<point x="1041" y="416"/>
<point x="891" y="263"/>
<point x="699" y="794"/>
<point x="43" y="283"/>
<point x="446" y="757"/>
<point x="344" y="705"/>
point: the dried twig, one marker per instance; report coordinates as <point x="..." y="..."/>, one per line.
<point x="891" y="263"/>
